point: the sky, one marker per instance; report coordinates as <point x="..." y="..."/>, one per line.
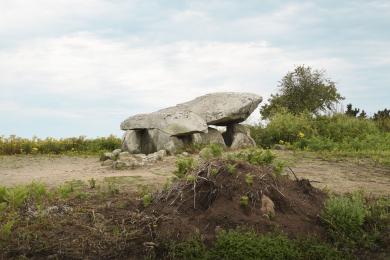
<point x="71" y="68"/>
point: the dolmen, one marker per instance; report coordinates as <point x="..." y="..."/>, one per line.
<point x="191" y="123"/>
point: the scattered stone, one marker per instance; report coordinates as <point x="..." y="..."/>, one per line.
<point x="119" y="165"/>
<point x="267" y="206"/>
<point x="116" y="152"/>
<point x="185" y="154"/>
<point x="106" y="156"/>
<point x="108" y="162"/>
<point x="124" y="155"/>
<point x="139" y="156"/>
<point x="280" y="147"/>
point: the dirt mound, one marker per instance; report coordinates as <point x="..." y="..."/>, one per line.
<point x="219" y="194"/>
<point x="223" y="194"/>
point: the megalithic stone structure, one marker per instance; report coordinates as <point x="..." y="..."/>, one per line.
<point x="171" y="128"/>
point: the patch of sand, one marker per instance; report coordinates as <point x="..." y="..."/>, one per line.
<point x="340" y="177"/>
<point x="55" y="170"/>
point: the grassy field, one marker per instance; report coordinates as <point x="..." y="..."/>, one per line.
<point x="105" y="218"/>
<point x="212" y="204"/>
<point x="329" y="136"/>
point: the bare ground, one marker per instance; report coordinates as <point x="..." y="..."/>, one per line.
<point x="55" y="170"/>
<point x="338" y="176"/>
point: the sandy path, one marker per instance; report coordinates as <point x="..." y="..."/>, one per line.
<point x="55" y="170"/>
<point x="345" y="176"/>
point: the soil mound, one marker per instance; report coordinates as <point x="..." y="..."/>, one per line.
<point x="224" y="194"/>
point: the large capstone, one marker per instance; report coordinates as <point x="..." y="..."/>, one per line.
<point x="173" y="121"/>
<point x="223" y="108"/>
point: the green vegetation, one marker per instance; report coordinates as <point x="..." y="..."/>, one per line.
<point x="184" y="165"/>
<point x="303" y="89"/>
<point x="338" y="134"/>
<point x="75" y="145"/>
<point x="344" y="217"/>
<point x="147" y="200"/>
<point x="211" y="151"/>
<point x="255" y="156"/>
<point x="237" y="244"/>
<point x="244" y="201"/>
<point x="353" y="222"/>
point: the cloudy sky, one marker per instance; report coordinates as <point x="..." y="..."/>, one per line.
<point x="71" y="67"/>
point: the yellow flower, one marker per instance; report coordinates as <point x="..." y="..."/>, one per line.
<point x="301" y="135"/>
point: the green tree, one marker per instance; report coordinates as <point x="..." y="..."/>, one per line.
<point x="352" y="111"/>
<point x="382" y="118"/>
<point x="303" y="89"/>
<point x="363" y="115"/>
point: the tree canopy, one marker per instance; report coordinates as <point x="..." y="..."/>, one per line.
<point x="303" y="89"/>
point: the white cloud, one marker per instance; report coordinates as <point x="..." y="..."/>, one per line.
<point x="119" y="78"/>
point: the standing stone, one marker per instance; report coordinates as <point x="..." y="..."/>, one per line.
<point x="131" y="141"/>
<point x="213" y="136"/>
<point x="238" y="136"/>
<point x="241" y="140"/>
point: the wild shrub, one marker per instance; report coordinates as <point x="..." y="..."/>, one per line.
<point x="184" y="165"/>
<point x="211" y="151"/>
<point x="344" y="217"/>
<point x="147" y="199"/>
<point x="284" y="127"/>
<point x="231" y="168"/>
<point x="255" y="156"/>
<point x="192" y="248"/>
<point x="339" y="127"/>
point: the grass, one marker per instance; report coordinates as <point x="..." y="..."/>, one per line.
<point x="75" y="145"/>
<point x="239" y="244"/>
<point x="354" y="222"/>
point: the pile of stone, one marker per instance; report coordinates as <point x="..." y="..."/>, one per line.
<point x="171" y="129"/>
<point x="125" y="160"/>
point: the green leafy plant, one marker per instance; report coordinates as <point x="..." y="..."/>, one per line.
<point x="244" y="201"/>
<point x="344" y="217"/>
<point x="192" y="248"/>
<point x="6" y="229"/>
<point x="256" y="156"/>
<point x="191" y="178"/>
<point x="147" y="199"/>
<point x="214" y="171"/>
<point x="249" y="179"/>
<point x="92" y="183"/>
<point x="278" y="166"/>
<point x="231" y="168"/>
<point x="184" y="165"/>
